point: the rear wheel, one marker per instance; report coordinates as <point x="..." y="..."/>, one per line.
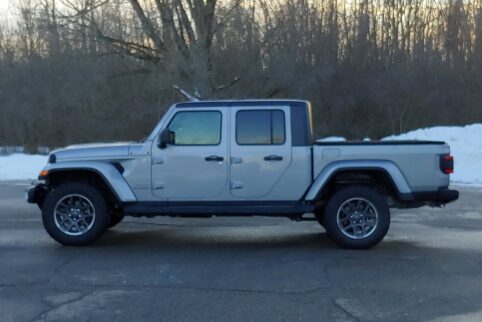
<point x="319" y="214"/>
<point x="75" y="214"/>
<point x="115" y="219"/>
<point x="356" y="217"/>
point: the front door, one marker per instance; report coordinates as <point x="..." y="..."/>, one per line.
<point x="195" y="166"/>
<point x="260" y="150"/>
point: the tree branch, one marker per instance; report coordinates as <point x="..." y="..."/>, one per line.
<point x="192" y="98"/>
<point x="147" y="25"/>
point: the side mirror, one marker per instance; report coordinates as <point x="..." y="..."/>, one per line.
<point x="166" y="137"/>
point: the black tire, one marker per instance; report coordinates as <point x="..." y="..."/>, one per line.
<point x="345" y="216"/>
<point x="319" y="214"/>
<point x="97" y="224"/>
<point x="115" y="219"/>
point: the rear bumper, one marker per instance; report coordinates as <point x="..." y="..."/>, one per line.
<point x="37" y="192"/>
<point x="440" y="197"/>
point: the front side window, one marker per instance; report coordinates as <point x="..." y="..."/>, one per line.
<point x="196" y="128"/>
<point x="260" y="127"/>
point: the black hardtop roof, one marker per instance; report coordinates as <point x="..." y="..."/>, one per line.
<point x="247" y="102"/>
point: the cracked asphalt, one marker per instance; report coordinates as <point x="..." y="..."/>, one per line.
<point x="428" y="268"/>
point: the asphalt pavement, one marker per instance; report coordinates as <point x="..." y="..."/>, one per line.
<point x="428" y="268"/>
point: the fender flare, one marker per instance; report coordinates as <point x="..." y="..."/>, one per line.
<point x="112" y="177"/>
<point x="390" y="168"/>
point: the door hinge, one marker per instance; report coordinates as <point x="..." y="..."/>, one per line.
<point x="236" y="160"/>
<point x="236" y="185"/>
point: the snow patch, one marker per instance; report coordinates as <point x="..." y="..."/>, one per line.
<point x="21" y="166"/>
<point x="332" y="139"/>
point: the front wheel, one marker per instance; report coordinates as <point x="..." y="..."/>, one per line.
<point x="75" y="214"/>
<point x="357" y="217"/>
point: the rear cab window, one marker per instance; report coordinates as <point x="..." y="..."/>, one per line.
<point x="260" y="127"/>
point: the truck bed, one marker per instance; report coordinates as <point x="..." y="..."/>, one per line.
<point x="417" y="161"/>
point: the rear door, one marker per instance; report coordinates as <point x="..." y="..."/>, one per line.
<point x="260" y="150"/>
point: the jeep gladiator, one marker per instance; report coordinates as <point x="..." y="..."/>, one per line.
<point x="241" y="158"/>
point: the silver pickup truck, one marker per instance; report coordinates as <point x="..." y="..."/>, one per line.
<point x="241" y="158"/>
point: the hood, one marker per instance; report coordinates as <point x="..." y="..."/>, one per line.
<point x="93" y="151"/>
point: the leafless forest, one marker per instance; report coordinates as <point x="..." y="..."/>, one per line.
<point x="97" y="70"/>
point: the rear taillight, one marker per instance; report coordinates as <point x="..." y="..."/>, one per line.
<point x="447" y="163"/>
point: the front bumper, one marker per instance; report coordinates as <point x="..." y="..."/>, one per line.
<point x="440" y="197"/>
<point x="36" y="192"/>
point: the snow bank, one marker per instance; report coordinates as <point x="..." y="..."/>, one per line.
<point x="465" y="145"/>
<point x="20" y="166"/>
<point x="332" y="139"/>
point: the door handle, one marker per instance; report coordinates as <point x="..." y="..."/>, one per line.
<point x="273" y="158"/>
<point x="213" y="158"/>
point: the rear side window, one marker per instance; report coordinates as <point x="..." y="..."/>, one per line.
<point x="196" y="128"/>
<point x="260" y="127"/>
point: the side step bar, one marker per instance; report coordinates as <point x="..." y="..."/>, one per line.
<point x="204" y="209"/>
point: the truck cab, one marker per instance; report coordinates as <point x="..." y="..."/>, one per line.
<point x="231" y="151"/>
